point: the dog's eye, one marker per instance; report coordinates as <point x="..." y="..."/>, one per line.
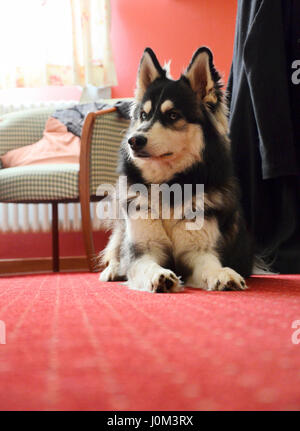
<point x="173" y="115"/>
<point x="143" y="116"/>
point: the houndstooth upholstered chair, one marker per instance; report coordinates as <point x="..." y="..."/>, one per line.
<point x="62" y="183"/>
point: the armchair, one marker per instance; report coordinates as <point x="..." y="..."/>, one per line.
<point x="62" y="183"/>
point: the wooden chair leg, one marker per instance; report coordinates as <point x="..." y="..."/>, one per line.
<point x="84" y="190"/>
<point x="55" y="238"/>
<point x="87" y="232"/>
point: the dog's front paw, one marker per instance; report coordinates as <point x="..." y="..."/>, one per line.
<point x="226" y="279"/>
<point x="165" y="281"/>
<point x="110" y="273"/>
<point x="154" y="278"/>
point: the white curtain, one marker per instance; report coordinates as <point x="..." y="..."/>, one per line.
<point x="55" y="42"/>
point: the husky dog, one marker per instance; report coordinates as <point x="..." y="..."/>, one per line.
<point x="178" y="135"/>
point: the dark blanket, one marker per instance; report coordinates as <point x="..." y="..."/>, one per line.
<point x="73" y="117"/>
<point x="264" y="125"/>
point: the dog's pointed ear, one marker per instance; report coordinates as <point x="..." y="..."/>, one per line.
<point x="203" y="76"/>
<point x="149" y="70"/>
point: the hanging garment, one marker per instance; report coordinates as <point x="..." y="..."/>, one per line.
<point x="263" y="126"/>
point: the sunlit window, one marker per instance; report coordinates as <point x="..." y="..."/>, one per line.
<point x="54" y="42"/>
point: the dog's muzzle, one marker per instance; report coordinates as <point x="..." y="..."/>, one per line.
<point x="137" y="143"/>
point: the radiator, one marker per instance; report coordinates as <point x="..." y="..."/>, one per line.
<point x="37" y="217"/>
<point x="6" y="108"/>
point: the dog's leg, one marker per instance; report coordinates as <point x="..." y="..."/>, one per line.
<point x="146" y="274"/>
<point x="151" y="250"/>
<point x="195" y="252"/>
<point x="110" y="257"/>
<point x="209" y="274"/>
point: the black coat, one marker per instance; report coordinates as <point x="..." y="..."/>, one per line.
<point x="265" y="125"/>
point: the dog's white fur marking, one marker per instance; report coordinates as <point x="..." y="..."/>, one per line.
<point x="149" y="234"/>
<point x="110" y="272"/>
<point x="111" y="257"/>
<point x="145" y="274"/>
<point x="147" y="106"/>
<point x="186" y="147"/>
<point x="166" y="106"/>
<point x="208" y="274"/>
<point x="167" y="68"/>
<point x="193" y="242"/>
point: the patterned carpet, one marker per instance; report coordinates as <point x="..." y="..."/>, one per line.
<point x="73" y="343"/>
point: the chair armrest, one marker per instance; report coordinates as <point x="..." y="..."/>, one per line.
<point x="102" y="134"/>
<point x="22" y="128"/>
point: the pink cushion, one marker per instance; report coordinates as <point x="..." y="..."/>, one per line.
<point x="56" y="146"/>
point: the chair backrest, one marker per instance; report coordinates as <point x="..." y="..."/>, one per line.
<point x="22" y="128"/>
<point x="108" y="132"/>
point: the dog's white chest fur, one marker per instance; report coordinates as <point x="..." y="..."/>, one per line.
<point x="183" y="239"/>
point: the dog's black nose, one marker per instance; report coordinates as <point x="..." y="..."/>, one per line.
<point x="137" y="142"/>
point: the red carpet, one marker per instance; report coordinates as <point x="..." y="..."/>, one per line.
<point x="75" y="344"/>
